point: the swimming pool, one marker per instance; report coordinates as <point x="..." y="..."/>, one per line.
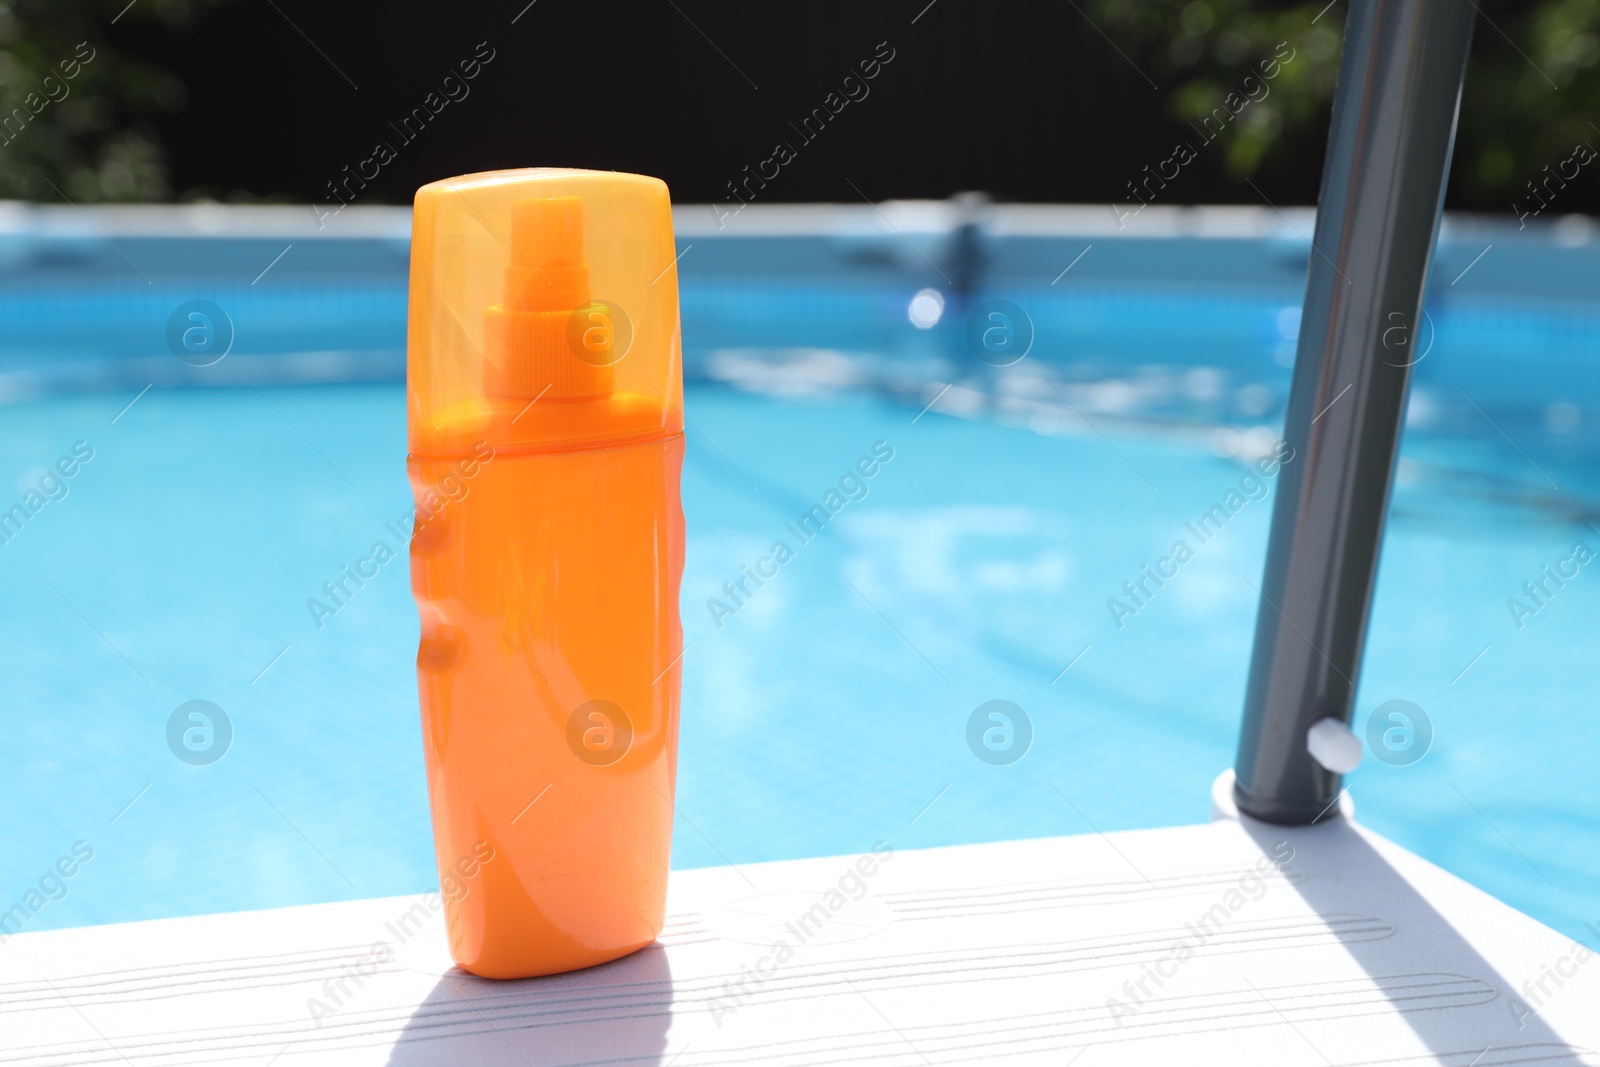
<point x="827" y="708"/>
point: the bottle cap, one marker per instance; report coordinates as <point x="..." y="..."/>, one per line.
<point x="544" y="312"/>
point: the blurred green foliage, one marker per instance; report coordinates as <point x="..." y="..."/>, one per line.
<point x="1532" y="93"/>
<point x="1533" y="90"/>
<point x="75" y="109"/>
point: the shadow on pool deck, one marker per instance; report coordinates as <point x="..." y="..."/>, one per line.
<point x="618" y="1012"/>
<point x="1495" y="1034"/>
<point x="622" y="1012"/>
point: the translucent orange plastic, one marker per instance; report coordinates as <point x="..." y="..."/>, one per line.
<point x="544" y="390"/>
<point x="544" y="312"/>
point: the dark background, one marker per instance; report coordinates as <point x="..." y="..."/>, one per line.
<point x="1037" y="100"/>
<point x="1018" y="99"/>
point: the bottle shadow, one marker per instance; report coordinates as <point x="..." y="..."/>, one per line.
<point x="617" y="1012"/>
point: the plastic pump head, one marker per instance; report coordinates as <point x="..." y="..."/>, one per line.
<point x="529" y="348"/>
<point x="544" y="312"/>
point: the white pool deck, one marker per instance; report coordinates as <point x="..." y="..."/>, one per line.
<point x="1234" y="942"/>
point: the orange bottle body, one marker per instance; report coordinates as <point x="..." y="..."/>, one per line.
<point x="548" y="676"/>
<point x="544" y="389"/>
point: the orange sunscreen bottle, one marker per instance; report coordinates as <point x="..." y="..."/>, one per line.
<point x="545" y="393"/>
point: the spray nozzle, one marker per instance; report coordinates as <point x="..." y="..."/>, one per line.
<point x="542" y="340"/>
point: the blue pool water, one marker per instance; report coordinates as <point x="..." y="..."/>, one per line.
<point x="831" y="709"/>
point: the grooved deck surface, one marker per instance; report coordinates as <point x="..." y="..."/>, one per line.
<point x="1225" y="943"/>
